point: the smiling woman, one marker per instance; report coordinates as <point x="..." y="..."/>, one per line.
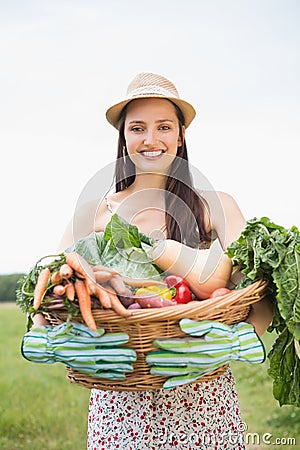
<point x="154" y="190"/>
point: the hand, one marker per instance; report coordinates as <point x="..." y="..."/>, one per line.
<point x="211" y="345"/>
<point x="75" y="345"/>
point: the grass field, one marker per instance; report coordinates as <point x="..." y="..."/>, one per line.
<point x="41" y="410"/>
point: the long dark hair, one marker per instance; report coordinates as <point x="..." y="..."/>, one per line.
<point x="184" y="207"/>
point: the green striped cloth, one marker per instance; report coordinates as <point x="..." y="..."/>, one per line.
<point x="208" y="345"/>
<point x="98" y="354"/>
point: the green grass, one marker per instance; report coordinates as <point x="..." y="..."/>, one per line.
<point x="40" y="409"/>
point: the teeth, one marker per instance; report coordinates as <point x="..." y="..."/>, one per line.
<point x="154" y="153"/>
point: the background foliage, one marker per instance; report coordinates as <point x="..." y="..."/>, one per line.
<point x="8" y="284"/>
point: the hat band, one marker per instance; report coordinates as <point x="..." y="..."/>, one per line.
<point x="152" y="90"/>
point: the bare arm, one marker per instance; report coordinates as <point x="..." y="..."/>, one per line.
<point x="81" y="224"/>
<point x="261" y="315"/>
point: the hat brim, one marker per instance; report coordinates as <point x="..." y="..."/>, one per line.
<point x="113" y="113"/>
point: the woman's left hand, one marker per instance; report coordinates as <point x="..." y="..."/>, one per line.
<point x="210" y="345"/>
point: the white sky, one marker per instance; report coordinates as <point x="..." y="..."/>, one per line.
<point x="63" y="62"/>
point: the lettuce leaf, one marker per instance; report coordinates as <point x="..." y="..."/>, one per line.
<point x="121" y="246"/>
<point x="88" y="248"/>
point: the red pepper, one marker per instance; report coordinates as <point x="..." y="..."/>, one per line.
<point x="183" y="292"/>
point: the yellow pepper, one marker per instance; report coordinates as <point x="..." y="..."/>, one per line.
<point x="162" y="292"/>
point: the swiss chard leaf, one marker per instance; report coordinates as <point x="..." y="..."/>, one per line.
<point x="286" y="278"/>
<point x="268" y="251"/>
<point x="285" y="370"/>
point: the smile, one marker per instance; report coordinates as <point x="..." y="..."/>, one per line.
<point x="152" y="154"/>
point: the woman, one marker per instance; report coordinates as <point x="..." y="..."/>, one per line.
<point x="154" y="191"/>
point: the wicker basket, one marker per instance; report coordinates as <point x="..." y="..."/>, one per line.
<point x="148" y="324"/>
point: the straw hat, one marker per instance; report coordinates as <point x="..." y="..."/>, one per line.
<point x="146" y="85"/>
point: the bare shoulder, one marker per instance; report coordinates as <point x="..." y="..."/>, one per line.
<point x="226" y="217"/>
<point x="213" y="198"/>
<point x="220" y="203"/>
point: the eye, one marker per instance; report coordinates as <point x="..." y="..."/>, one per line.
<point x="164" y="127"/>
<point x="136" y="129"/>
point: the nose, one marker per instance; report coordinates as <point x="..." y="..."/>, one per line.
<point x="150" y="137"/>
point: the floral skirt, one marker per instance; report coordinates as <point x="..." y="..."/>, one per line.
<point x="203" y="415"/>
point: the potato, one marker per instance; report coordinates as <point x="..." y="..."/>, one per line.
<point x="134" y="306"/>
<point x="152" y="301"/>
<point x="127" y="298"/>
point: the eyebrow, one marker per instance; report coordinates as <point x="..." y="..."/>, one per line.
<point x="157" y="121"/>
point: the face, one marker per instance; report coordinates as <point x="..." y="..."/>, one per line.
<point x="152" y="134"/>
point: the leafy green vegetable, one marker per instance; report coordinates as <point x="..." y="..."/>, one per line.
<point x="121" y="246"/>
<point x="268" y="251"/>
<point x="126" y="249"/>
<point x="88" y="248"/>
<point x="26" y="286"/>
<point x="125" y="235"/>
<point x="285" y="369"/>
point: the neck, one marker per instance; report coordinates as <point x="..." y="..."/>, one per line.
<point x="148" y="181"/>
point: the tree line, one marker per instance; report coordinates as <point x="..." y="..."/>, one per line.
<point x="8" y="286"/>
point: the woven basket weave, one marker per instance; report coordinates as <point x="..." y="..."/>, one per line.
<point x="148" y="324"/>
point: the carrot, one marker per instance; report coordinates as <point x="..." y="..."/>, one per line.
<point x="79" y="275"/>
<point x="102" y="276"/>
<point x="65" y="271"/>
<point x="59" y="289"/>
<point x="138" y="282"/>
<point x="91" y="286"/>
<point x="105" y="268"/>
<point x="40" y="287"/>
<point x="82" y="267"/>
<point x="55" y="277"/>
<point x="118" y="285"/>
<point x="84" y="300"/>
<point x="117" y="305"/>
<point x="70" y="291"/>
<point x="103" y="296"/>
